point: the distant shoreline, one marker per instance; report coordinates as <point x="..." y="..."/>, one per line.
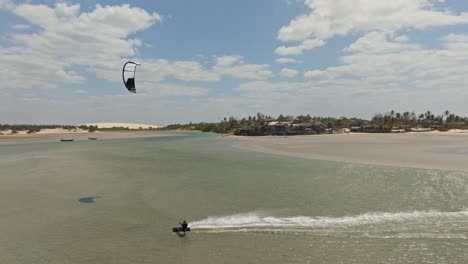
<point x="131" y="126"/>
<point x="23" y="129"/>
<point x="57" y="132"/>
<point x="51" y="136"/>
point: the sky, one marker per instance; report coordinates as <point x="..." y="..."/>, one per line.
<point x="61" y="61"/>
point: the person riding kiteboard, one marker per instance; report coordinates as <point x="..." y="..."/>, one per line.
<point x="184" y="225"/>
<point x="180" y="230"/>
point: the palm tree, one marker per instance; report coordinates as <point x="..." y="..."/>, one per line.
<point x="446" y="113"/>
<point x="428" y="114"/>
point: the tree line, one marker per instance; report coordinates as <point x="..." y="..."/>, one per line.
<point x="379" y="123"/>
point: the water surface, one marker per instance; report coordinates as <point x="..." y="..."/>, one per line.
<point x="243" y="206"/>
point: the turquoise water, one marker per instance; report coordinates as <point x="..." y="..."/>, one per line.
<point x="243" y="206"/>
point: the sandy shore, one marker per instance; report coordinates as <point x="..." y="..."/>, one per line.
<point x="78" y="136"/>
<point x="432" y="150"/>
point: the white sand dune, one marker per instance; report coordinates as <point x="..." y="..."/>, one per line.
<point x="60" y="131"/>
<point x="129" y="125"/>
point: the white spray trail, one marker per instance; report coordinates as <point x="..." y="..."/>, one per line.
<point x="255" y="220"/>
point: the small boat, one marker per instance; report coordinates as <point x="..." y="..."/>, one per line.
<point x="67" y="140"/>
<point x="92" y="138"/>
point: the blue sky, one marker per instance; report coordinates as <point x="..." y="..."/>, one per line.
<point x="203" y="60"/>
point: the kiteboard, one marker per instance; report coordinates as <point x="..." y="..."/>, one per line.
<point x="180" y="229"/>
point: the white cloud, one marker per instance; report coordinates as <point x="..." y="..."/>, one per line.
<point x="378" y="72"/>
<point x="147" y="94"/>
<point x="80" y="91"/>
<point x="23" y="68"/>
<point x="246" y="71"/>
<point x="406" y="64"/>
<point x="290" y="73"/>
<point x="316" y="75"/>
<point x="226" y="61"/>
<point x="329" y="18"/>
<point x="376" y="42"/>
<point x="456" y="38"/>
<point x="299" y="49"/>
<point x="66" y="38"/>
<point x="263" y="86"/>
<point x="40" y="100"/>
<point x="6" y="4"/>
<point x="21" y="26"/>
<point x="286" y="60"/>
<point x="160" y="69"/>
<point x="170" y="90"/>
<point x="402" y="38"/>
<point x="235" y="67"/>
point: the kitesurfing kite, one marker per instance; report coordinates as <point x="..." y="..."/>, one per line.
<point x="128" y="75"/>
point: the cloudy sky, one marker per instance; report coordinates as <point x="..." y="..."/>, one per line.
<point x="202" y="60"/>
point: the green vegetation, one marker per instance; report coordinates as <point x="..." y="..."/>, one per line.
<point x="33" y="128"/>
<point x="392" y="121"/>
<point x="408" y="120"/>
<point x="92" y="128"/>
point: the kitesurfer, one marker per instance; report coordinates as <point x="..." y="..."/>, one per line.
<point x="180" y="230"/>
<point x="184" y="225"/>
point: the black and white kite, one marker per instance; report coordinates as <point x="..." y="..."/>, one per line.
<point x="128" y="75"/>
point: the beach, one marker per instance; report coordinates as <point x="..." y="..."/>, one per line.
<point x="51" y="135"/>
<point x="431" y="150"/>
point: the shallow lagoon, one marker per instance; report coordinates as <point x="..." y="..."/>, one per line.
<point x="243" y="206"/>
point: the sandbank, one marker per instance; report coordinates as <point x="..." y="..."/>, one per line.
<point x="431" y="150"/>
